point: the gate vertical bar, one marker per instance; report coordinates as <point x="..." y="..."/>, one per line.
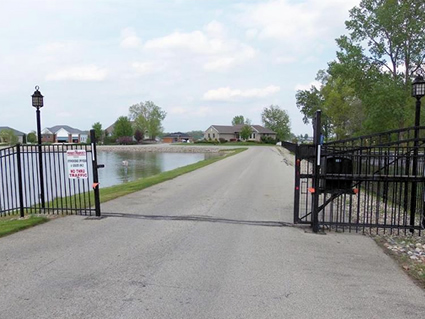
<point x="415" y="164"/>
<point x="95" y="173"/>
<point x="316" y="171"/>
<point x="297" y="186"/>
<point x="20" y="188"/>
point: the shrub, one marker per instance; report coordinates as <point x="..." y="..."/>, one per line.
<point x="125" y="140"/>
<point x="222" y="140"/>
<point x="268" y="140"/>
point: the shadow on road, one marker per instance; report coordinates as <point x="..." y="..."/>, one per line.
<point x="195" y="218"/>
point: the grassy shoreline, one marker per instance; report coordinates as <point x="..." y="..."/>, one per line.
<point x="13" y="223"/>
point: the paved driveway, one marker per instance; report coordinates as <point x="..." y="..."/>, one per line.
<point x="210" y="244"/>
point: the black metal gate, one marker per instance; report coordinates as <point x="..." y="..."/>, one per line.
<point x="50" y="183"/>
<point x="373" y="183"/>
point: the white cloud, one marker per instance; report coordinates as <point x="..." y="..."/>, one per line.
<point x="129" y="39"/>
<point x="216" y="52"/>
<point x="215" y="29"/>
<point x="143" y="68"/>
<point x="251" y="33"/>
<point x="79" y="73"/>
<point x="56" y="47"/>
<point x="228" y="94"/>
<point x="284" y="20"/>
<point x="286" y="59"/>
<point x="202" y="111"/>
<point x="303" y="87"/>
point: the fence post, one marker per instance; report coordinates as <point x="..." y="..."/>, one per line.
<point x="20" y="184"/>
<point x="95" y="173"/>
<point x="317" y="125"/>
<point x="297" y="186"/>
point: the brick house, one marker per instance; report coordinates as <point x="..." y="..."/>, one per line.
<point x="63" y="134"/>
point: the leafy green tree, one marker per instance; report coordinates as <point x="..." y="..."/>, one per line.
<point x="32" y="137"/>
<point x="239" y="119"/>
<point x="98" y="132"/>
<point x="342" y="113"/>
<point x="384" y="48"/>
<point x="246" y="131"/>
<point x="147" y="117"/>
<point x="277" y="120"/>
<point x="122" y="128"/>
<point x="8" y="136"/>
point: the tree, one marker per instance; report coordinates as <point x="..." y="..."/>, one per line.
<point x="8" y="136"/>
<point x="32" y="137"/>
<point x="342" y="113"/>
<point x="98" y="132"/>
<point x="277" y="120"/>
<point x="384" y="48"/>
<point x="147" y="117"/>
<point x="246" y="131"/>
<point x="239" y="119"/>
<point x="138" y="135"/>
<point x="122" y="128"/>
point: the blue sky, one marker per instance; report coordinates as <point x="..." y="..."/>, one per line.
<point x="202" y="61"/>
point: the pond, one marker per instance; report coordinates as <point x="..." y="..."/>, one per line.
<point x="124" y="166"/>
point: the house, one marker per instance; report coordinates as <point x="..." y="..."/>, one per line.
<point x="63" y="134"/>
<point x="20" y="135"/>
<point x="232" y="132"/>
<point x="177" y="137"/>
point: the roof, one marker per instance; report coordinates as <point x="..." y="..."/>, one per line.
<point x="69" y="129"/>
<point x="178" y="135"/>
<point x="231" y="129"/>
<point x="16" y="132"/>
<point x="262" y="129"/>
<point x="228" y="129"/>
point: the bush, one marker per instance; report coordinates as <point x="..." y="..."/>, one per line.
<point x="125" y="140"/>
<point x="269" y="140"/>
<point x="222" y="140"/>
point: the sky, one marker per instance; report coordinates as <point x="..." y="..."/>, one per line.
<point x="202" y="61"/>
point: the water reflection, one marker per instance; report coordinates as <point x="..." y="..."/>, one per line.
<point x="122" y="166"/>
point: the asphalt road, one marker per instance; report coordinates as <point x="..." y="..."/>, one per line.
<point x="215" y="243"/>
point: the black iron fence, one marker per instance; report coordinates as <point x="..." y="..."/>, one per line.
<point x="373" y="183"/>
<point x="69" y="184"/>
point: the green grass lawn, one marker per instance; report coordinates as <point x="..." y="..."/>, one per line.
<point x="10" y="225"/>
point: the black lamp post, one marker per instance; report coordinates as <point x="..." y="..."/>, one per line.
<point x="37" y="102"/>
<point x="418" y="91"/>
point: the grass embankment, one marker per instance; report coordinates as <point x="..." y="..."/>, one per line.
<point x="9" y="226"/>
<point x="12" y="224"/>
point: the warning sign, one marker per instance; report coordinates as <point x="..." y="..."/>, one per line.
<point x="77" y="164"/>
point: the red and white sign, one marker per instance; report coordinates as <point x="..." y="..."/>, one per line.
<point x="77" y="164"/>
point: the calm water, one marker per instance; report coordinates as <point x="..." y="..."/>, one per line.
<point x="141" y="164"/>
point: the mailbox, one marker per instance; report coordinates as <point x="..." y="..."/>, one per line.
<point x="338" y="174"/>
